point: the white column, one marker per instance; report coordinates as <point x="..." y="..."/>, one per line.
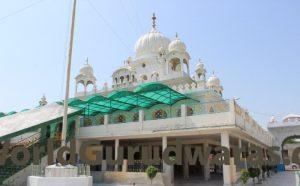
<point x="141" y="119"/>
<point x="164" y="146"/>
<point x="183" y="111"/>
<point x="167" y="169"/>
<point x="206" y="165"/>
<point x="186" y="173"/>
<point x="232" y="112"/>
<point x="125" y="166"/>
<point x="182" y="67"/>
<point x="85" y="89"/>
<point x="116" y="152"/>
<point x="226" y="168"/>
<point x="106" y="119"/>
<point x="103" y="165"/>
<point x="240" y="146"/>
<point x="141" y="115"/>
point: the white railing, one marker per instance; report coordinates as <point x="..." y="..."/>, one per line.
<point x="251" y="127"/>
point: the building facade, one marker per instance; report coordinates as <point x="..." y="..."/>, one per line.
<point x="154" y="101"/>
<point x="160" y="71"/>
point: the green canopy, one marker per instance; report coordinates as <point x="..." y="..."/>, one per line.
<point x="11" y="113"/>
<point x="2" y="114"/>
<point x="144" y="96"/>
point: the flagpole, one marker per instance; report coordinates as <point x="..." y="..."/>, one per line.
<point x="65" y="116"/>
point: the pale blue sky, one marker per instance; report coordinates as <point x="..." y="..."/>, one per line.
<point x="253" y="46"/>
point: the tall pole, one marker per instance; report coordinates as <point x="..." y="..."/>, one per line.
<point x="65" y="116"/>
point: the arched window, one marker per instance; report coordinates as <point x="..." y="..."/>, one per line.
<point x="211" y="110"/>
<point x="127" y="77"/>
<point x="179" y="113"/>
<point x="189" y="112"/>
<point x="159" y="114"/>
<point x="133" y="78"/>
<point x="116" y="80"/>
<point x="120" y="119"/>
<point x="100" y="120"/>
<point x="135" y="117"/>
<point x="175" y="64"/>
<point x="122" y="79"/>
<point x="87" y="122"/>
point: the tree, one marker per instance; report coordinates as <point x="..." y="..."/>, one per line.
<point x="244" y="176"/>
<point x="151" y="172"/>
<point x="254" y="172"/>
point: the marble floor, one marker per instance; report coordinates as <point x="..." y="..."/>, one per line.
<point x="287" y="178"/>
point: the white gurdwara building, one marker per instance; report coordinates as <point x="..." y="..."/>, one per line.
<point x="153" y="101"/>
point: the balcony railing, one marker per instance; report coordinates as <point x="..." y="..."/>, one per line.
<point x="158" y="112"/>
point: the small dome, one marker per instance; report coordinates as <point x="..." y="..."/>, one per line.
<point x="213" y="81"/>
<point x="151" y="43"/>
<point x="272" y="119"/>
<point x="291" y="117"/>
<point x="87" y="70"/>
<point x="177" y="45"/>
<point x="199" y="65"/>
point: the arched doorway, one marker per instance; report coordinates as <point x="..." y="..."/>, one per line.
<point x="288" y="146"/>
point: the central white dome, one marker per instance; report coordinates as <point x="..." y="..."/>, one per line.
<point x="151" y="43"/>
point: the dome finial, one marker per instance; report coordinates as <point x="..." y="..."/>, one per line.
<point x="176" y="35"/>
<point x="87" y="60"/>
<point x="153" y="21"/>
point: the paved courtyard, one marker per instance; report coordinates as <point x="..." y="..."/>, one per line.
<point x="286" y="178"/>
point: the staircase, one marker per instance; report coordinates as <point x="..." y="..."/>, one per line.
<point x="10" y="169"/>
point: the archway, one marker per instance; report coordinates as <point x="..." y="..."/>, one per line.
<point x="175" y="64"/>
<point x="288" y="146"/>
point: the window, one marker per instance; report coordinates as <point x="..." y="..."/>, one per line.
<point x="179" y="113"/>
<point x="100" y="120"/>
<point x="189" y="112"/>
<point x="87" y="122"/>
<point x="211" y="110"/>
<point x="120" y="119"/>
<point x="135" y="117"/>
<point x="127" y="77"/>
<point x="122" y="79"/>
<point x="143" y="65"/>
<point x="144" y="78"/>
<point x="159" y="114"/>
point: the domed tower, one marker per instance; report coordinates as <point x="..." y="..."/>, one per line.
<point x="200" y="74"/>
<point x="178" y="57"/>
<point x="86" y="77"/>
<point x="151" y="43"/>
<point x="213" y="83"/>
<point x="150" y="51"/>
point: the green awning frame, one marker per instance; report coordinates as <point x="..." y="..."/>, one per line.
<point x="2" y="114"/>
<point x="144" y="96"/>
<point x="11" y="113"/>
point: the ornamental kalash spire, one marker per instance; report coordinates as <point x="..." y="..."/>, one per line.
<point x="153" y="21"/>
